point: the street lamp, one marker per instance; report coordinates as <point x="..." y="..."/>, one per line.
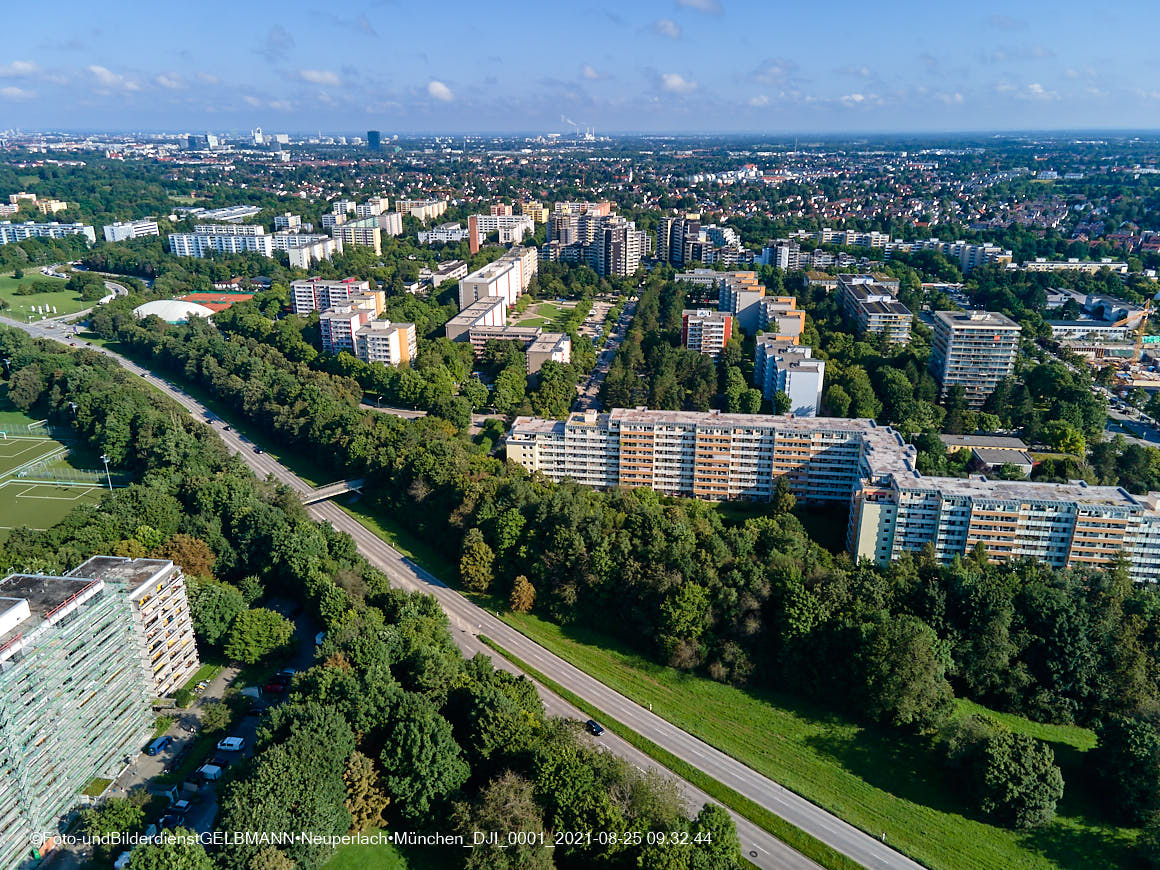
<point x="73" y="405"/>
<point x="379" y="402"/>
<point x="109" y="477"/>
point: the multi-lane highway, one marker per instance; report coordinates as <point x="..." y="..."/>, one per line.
<point x="468" y="620"/>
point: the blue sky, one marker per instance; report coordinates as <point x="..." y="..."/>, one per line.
<point x="647" y="66"/>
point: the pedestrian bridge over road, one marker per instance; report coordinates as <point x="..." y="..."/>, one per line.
<point x="331" y="490"/>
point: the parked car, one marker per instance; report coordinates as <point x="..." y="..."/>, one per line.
<point x="180" y="808"/>
<point x="232" y="744"/>
<point x="158" y="746"/>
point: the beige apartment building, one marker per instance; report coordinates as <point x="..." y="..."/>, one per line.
<point x="893" y="508"/>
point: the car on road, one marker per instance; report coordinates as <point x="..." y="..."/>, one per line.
<point x="232" y="744"/>
<point x="594" y="727"/>
<point x="158" y="746"/>
<point x="259" y="450"/>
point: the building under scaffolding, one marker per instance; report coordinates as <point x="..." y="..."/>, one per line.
<point x="81" y="657"/>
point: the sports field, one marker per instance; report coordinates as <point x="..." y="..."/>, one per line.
<point x="40" y="505"/>
<point x="28" y="496"/>
<point x="16" y="452"/>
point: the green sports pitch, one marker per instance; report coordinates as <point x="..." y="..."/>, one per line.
<point x="17" y="451"/>
<point x="40" y="505"/>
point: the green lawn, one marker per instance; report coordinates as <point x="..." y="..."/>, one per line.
<point x="870" y="777"/>
<point x="20" y="307"/>
<point x="390" y="857"/>
<point x="402" y="540"/>
<point x="549" y="315"/>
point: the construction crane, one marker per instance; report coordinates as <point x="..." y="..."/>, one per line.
<point x="1138" y="349"/>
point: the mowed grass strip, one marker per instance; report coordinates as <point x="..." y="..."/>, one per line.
<point x="872" y="778"/>
<point x="806" y="844"/>
<point x="20" y="307"/>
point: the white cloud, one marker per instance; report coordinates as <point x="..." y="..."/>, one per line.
<point x="440" y="91"/>
<point x="281" y="105"/>
<point x="208" y="78"/>
<point x="675" y="83"/>
<point x="18" y="69"/>
<point x="852" y="99"/>
<point x="759" y="101"/>
<point x="862" y="72"/>
<point x="14" y="93"/>
<point x="711" y="7"/>
<point x="251" y="101"/>
<point x="589" y="72"/>
<point x="667" y="27"/>
<point x="111" y="80"/>
<point x="170" y="81"/>
<point x="954" y="99"/>
<point x="319" y="77"/>
<point x="774" y="70"/>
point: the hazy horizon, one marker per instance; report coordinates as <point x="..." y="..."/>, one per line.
<point x="678" y="67"/>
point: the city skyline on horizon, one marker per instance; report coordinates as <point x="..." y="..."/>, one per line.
<point x="679" y="67"/>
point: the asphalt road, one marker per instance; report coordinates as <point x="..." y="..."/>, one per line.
<point x="468" y="620"/>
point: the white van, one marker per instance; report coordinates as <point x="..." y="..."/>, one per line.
<point x="210" y="772"/>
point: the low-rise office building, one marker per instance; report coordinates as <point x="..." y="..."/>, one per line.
<point x="548" y="347"/>
<point x="446" y="234"/>
<point x="973" y="350"/>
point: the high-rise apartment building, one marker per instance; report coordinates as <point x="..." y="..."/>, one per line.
<point x="973" y="350"/>
<point x="779" y="315"/>
<point x="422" y="209"/>
<point x="10" y="232"/>
<point x="287" y="221"/>
<point x="536" y="211"/>
<point x="873" y="309"/>
<point x="73" y="694"/>
<point x="511" y="229"/>
<point x="508" y="277"/>
<point x="485" y="311"/>
<point x="364" y="232"/>
<point x="337" y="326"/>
<point x="81" y="656"/>
<point x="156" y="595"/>
<point x="893" y="509"/>
<point x="706" y="331"/>
<point x="318" y="294"/>
<point x="374" y="140"/>
<point x="386" y="342"/>
<point x="121" y="231"/>
<point x="202" y="242"/>
<point x="782" y="366"/>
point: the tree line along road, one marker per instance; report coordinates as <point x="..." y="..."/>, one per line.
<point x="469" y="620"/>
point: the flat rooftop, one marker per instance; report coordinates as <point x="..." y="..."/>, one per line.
<point x="132" y="572"/>
<point x="976" y="320"/>
<point x="41" y="593"/>
<point x="1022" y="490"/>
<point x="999" y="442"/>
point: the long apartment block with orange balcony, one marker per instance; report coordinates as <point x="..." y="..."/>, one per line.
<point x="894" y="509"/>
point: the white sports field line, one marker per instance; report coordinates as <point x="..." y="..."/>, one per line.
<point x="14" y="448"/>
